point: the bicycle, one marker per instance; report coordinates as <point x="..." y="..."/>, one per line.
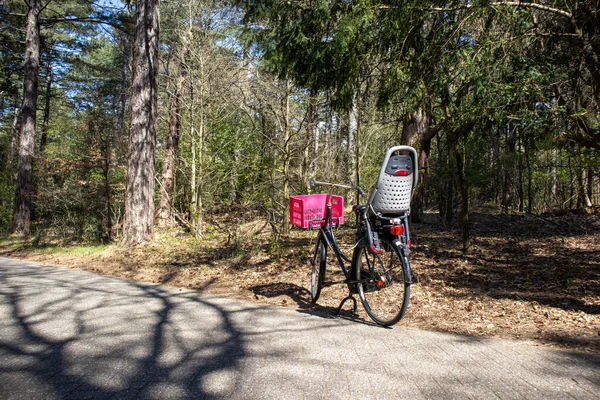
<point x="379" y="269"/>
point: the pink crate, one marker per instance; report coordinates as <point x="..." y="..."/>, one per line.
<point x="308" y="211"/>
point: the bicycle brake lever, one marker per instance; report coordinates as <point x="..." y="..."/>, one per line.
<point x="311" y="183"/>
<point x="360" y="191"/>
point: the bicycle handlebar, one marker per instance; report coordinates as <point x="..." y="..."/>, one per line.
<point x="314" y="183"/>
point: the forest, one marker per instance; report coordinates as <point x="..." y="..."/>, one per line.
<point x="160" y="141"/>
<point x="251" y="98"/>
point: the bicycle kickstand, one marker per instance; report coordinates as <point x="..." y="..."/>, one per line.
<point x="349" y="297"/>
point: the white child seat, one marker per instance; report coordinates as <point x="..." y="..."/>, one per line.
<point x="397" y="179"/>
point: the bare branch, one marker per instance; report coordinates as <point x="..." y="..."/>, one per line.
<point x="10" y="14"/>
<point x="537" y="6"/>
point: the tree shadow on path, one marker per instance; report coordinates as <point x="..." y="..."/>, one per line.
<point x="107" y="338"/>
<point x="301" y="296"/>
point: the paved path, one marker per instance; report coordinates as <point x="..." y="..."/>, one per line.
<point x="68" y="334"/>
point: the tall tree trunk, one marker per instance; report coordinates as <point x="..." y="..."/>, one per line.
<point x="583" y="199"/>
<point x="122" y="105"/>
<point x="571" y="198"/>
<point x="198" y="221"/>
<point x="464" y="197"/>
<point x="21" y="222"/>
<point x="107" y="228"/>
<point x="139" y="204"/>
<point x="305" y="167"/>
<point x="353" y="127"/>
<point x="311" y="145"/>
<point x="413" y="125"/>
<point x="286" y="153"/>
<point x="197" y="133"/>
<point x="116" y="137"/>
<point x="193" y="148"/>
<point x="194" y="162"/>
<point x="163" y="214"/>
<point x="198" y="149"/>
<point x="530" y="194"/>
<point x="420" y="198"/>
<point x="508" y="187"/>
<point x="327" y="167"/>
<point x="416" y="132"/>
<point x="554" y="177"/>
<point x="46" y="119"/>
<point x="590" y="184"/>
<point x="520" y="187"/>
<point x="14" y="138"/>
<point x="447" y="192"/>
<point x="497" y="168"/>
<point x="317" y="146"/>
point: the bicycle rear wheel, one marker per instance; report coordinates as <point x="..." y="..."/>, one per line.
<point x="318" y="263"/>
<point x="384" y="283"/>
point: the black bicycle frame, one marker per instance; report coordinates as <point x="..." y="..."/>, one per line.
<point x="327" y="235"/>
<point x="367" y="238"/>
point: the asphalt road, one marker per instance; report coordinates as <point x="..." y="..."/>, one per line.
<point x="67" y="334"/>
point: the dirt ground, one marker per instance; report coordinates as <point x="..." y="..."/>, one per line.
<point x="527" y="277"/>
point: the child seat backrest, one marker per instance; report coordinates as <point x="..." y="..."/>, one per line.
<point x="397" y="179"/>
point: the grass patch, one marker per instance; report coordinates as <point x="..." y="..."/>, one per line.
<point x="16" y="243"/>
<point x="74" y="250"/>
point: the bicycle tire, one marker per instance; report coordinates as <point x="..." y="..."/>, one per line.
<point x="382" y="285"/>
<point x="318" y="263"/>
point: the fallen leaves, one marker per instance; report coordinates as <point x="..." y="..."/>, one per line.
<point x="517" y="282"/>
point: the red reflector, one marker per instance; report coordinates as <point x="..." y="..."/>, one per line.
<point x="409" y="244"/>
<point x="380" y="283"/>
<point x="401" y="172"/>
<point x="397" y="230"/>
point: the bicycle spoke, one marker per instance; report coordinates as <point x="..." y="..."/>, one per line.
<point x="382" y="285"/>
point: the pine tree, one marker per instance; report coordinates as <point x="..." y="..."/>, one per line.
<point x="24" y="186"/>
<point x="138" y="226"/>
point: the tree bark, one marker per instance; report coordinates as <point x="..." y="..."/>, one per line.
<point x="416" y="132"/>
<point x="311" y="142"/>
<point x="520" y="188"/>
<point x="447" y="193"/>
<point x="46" y="119"/>
<point x="198" y="220"/>
<point x="14" y="137"/>
<point x="286" y="153"/>
<point x="353" y="127"/>
<point x="122" y="104"/>
<point x="590" y="184"/>
<point x="197" y="136"/>
<point x="583" y="200"/>
<point x="163" y="214"/>
<point x="554" y="178"/>
<point x="21" y="222"/>
<point x="571" y="197"/>
<point x="530" y="195"/>
<point x="508" y="186"/>
<point x="464" y="196"/>
<point x="106" y="233"/>
<point x="138" y="226"/>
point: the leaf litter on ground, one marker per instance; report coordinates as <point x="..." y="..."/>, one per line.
<point x="526" y="277"/>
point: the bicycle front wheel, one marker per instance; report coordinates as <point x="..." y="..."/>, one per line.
<point x="318" y="263"/>
<point x="383" y="283"/>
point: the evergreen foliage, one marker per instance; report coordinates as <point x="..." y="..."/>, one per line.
<point x="503" y="98"/>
